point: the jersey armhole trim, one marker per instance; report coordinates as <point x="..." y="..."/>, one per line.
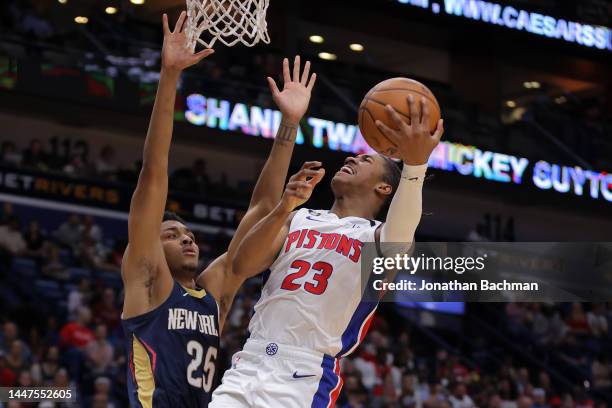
<point x="150" y="313"/>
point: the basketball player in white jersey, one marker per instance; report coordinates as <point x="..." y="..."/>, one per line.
<point x="311" y="311"/>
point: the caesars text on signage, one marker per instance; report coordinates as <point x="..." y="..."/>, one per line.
<point x="521" y="20"/>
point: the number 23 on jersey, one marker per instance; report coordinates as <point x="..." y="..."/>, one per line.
<point x="317" y="286"/>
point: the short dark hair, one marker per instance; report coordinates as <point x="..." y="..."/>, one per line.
<point x="172" y="216"/>
<point x="391" y="176"/>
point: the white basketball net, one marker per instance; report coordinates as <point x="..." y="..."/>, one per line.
<point x="229" y="21"/>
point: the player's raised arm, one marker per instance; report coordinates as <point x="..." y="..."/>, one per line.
<point x="145" y="275"/>
<point x="293" y="103"/>
<point x="260" y="246"/>
<point x="415" y="143"/>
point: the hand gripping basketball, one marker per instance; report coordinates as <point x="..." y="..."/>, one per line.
<point x="414" y="140"/>
<point x="301" y="184"/>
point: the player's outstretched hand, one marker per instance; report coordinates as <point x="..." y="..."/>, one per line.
<point x="301" y="184"/>
<point x="414" y="141"/>
<point x="176" y="56"/>
<point x="293" y="100"/>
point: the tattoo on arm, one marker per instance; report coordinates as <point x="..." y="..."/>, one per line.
<point x="286" y="133"/>
<point x="148" y="268"/>
<point x="149" y="286"/>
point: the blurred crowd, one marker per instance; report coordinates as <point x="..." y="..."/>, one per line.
<point x="76" y="162"/>
<point x="394" y="368"/>
<point x="78" y="241"/>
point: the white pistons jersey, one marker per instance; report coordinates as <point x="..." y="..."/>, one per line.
<point x="312" y="295"/>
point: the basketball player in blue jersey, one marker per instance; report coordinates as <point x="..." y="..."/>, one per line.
<point x="172" y="318"/>
<point x="311" y="311"/>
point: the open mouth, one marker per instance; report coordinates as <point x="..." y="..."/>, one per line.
<point x="347" y="170"/>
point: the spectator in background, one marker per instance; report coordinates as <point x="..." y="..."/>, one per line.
<point x="539" y="398"/>
<point x="77" y="167"/>
<point x="77" y="334"/>
<point x="55" y="161"/>
<point x="9" y="334"/>
<point x="102" y="390"/>
<point x="524" y="402"/>
<point x="25" y="379"/>
<point x="105" y="165"/>
<point x="115" y="256"/>
<point x="106" y="310"/>
<point x="100" y="351"/>
<point x="601" y="373"/>
<point x="61" y="379"/>
<point x="7" y="212"/>
<point x="437" y="397"/>
<point x="90" y="229"/>
<point x="34" y="157"/>
<point x="194" y="179"/>
<point x="69" y="233"/>
<point x="90" y="251"/>
<point x="597" y="321"/>
<point x="34" y="238"/>
<point x="53" y="265"/>
<point x="44" y="372"/>
<point x="8" y="378"/>
<point x="357" y="394"/>
<point x="15" y="358"/>
<point x="78" y="298"/>
<point x="11" y="237"/>
<point x="577" y="320"/>
<point x="8" y="155"/>
<point x="408" y="397"/>
<point x="459" y="397"/>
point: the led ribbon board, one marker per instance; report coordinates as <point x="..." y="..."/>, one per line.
<point x="466" y="160"/>
<point x="587" y="35"/>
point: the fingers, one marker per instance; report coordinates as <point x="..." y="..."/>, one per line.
<point x="306" y="171"/>
<point x="439" y="130"/>
<point x="397" y="119"/>
<point x="304" y="78"/>
<point x="286" y="75"/>
<point x="203" y="54"/>
<point x="179" y="23"/>
<point x="273" y="87"/>
<point x="424" y="112"/>
<point x="388" y="132"/>
<point x="311" y="164"/>
<point x="313" y="79"/>
<point x="317" y="177"/>
<point x="414" y="113"/>
<point x="296" y="69"/>
<point x="303" y="174"/>
<point x="165" y="25"/>
<point x="300" y="189"/>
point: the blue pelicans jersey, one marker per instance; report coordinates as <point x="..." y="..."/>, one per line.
<point x="172" y="351"/>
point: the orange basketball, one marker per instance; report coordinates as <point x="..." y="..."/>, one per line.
<point x="393" y="92"/>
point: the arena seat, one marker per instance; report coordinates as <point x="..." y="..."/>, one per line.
<point x="25" y="267"/>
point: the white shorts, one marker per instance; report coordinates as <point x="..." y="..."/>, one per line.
<point x="270" y="375"/>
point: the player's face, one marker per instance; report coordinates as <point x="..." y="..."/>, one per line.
<point x="364" y="173"/>
<point x="179" y="247"/>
